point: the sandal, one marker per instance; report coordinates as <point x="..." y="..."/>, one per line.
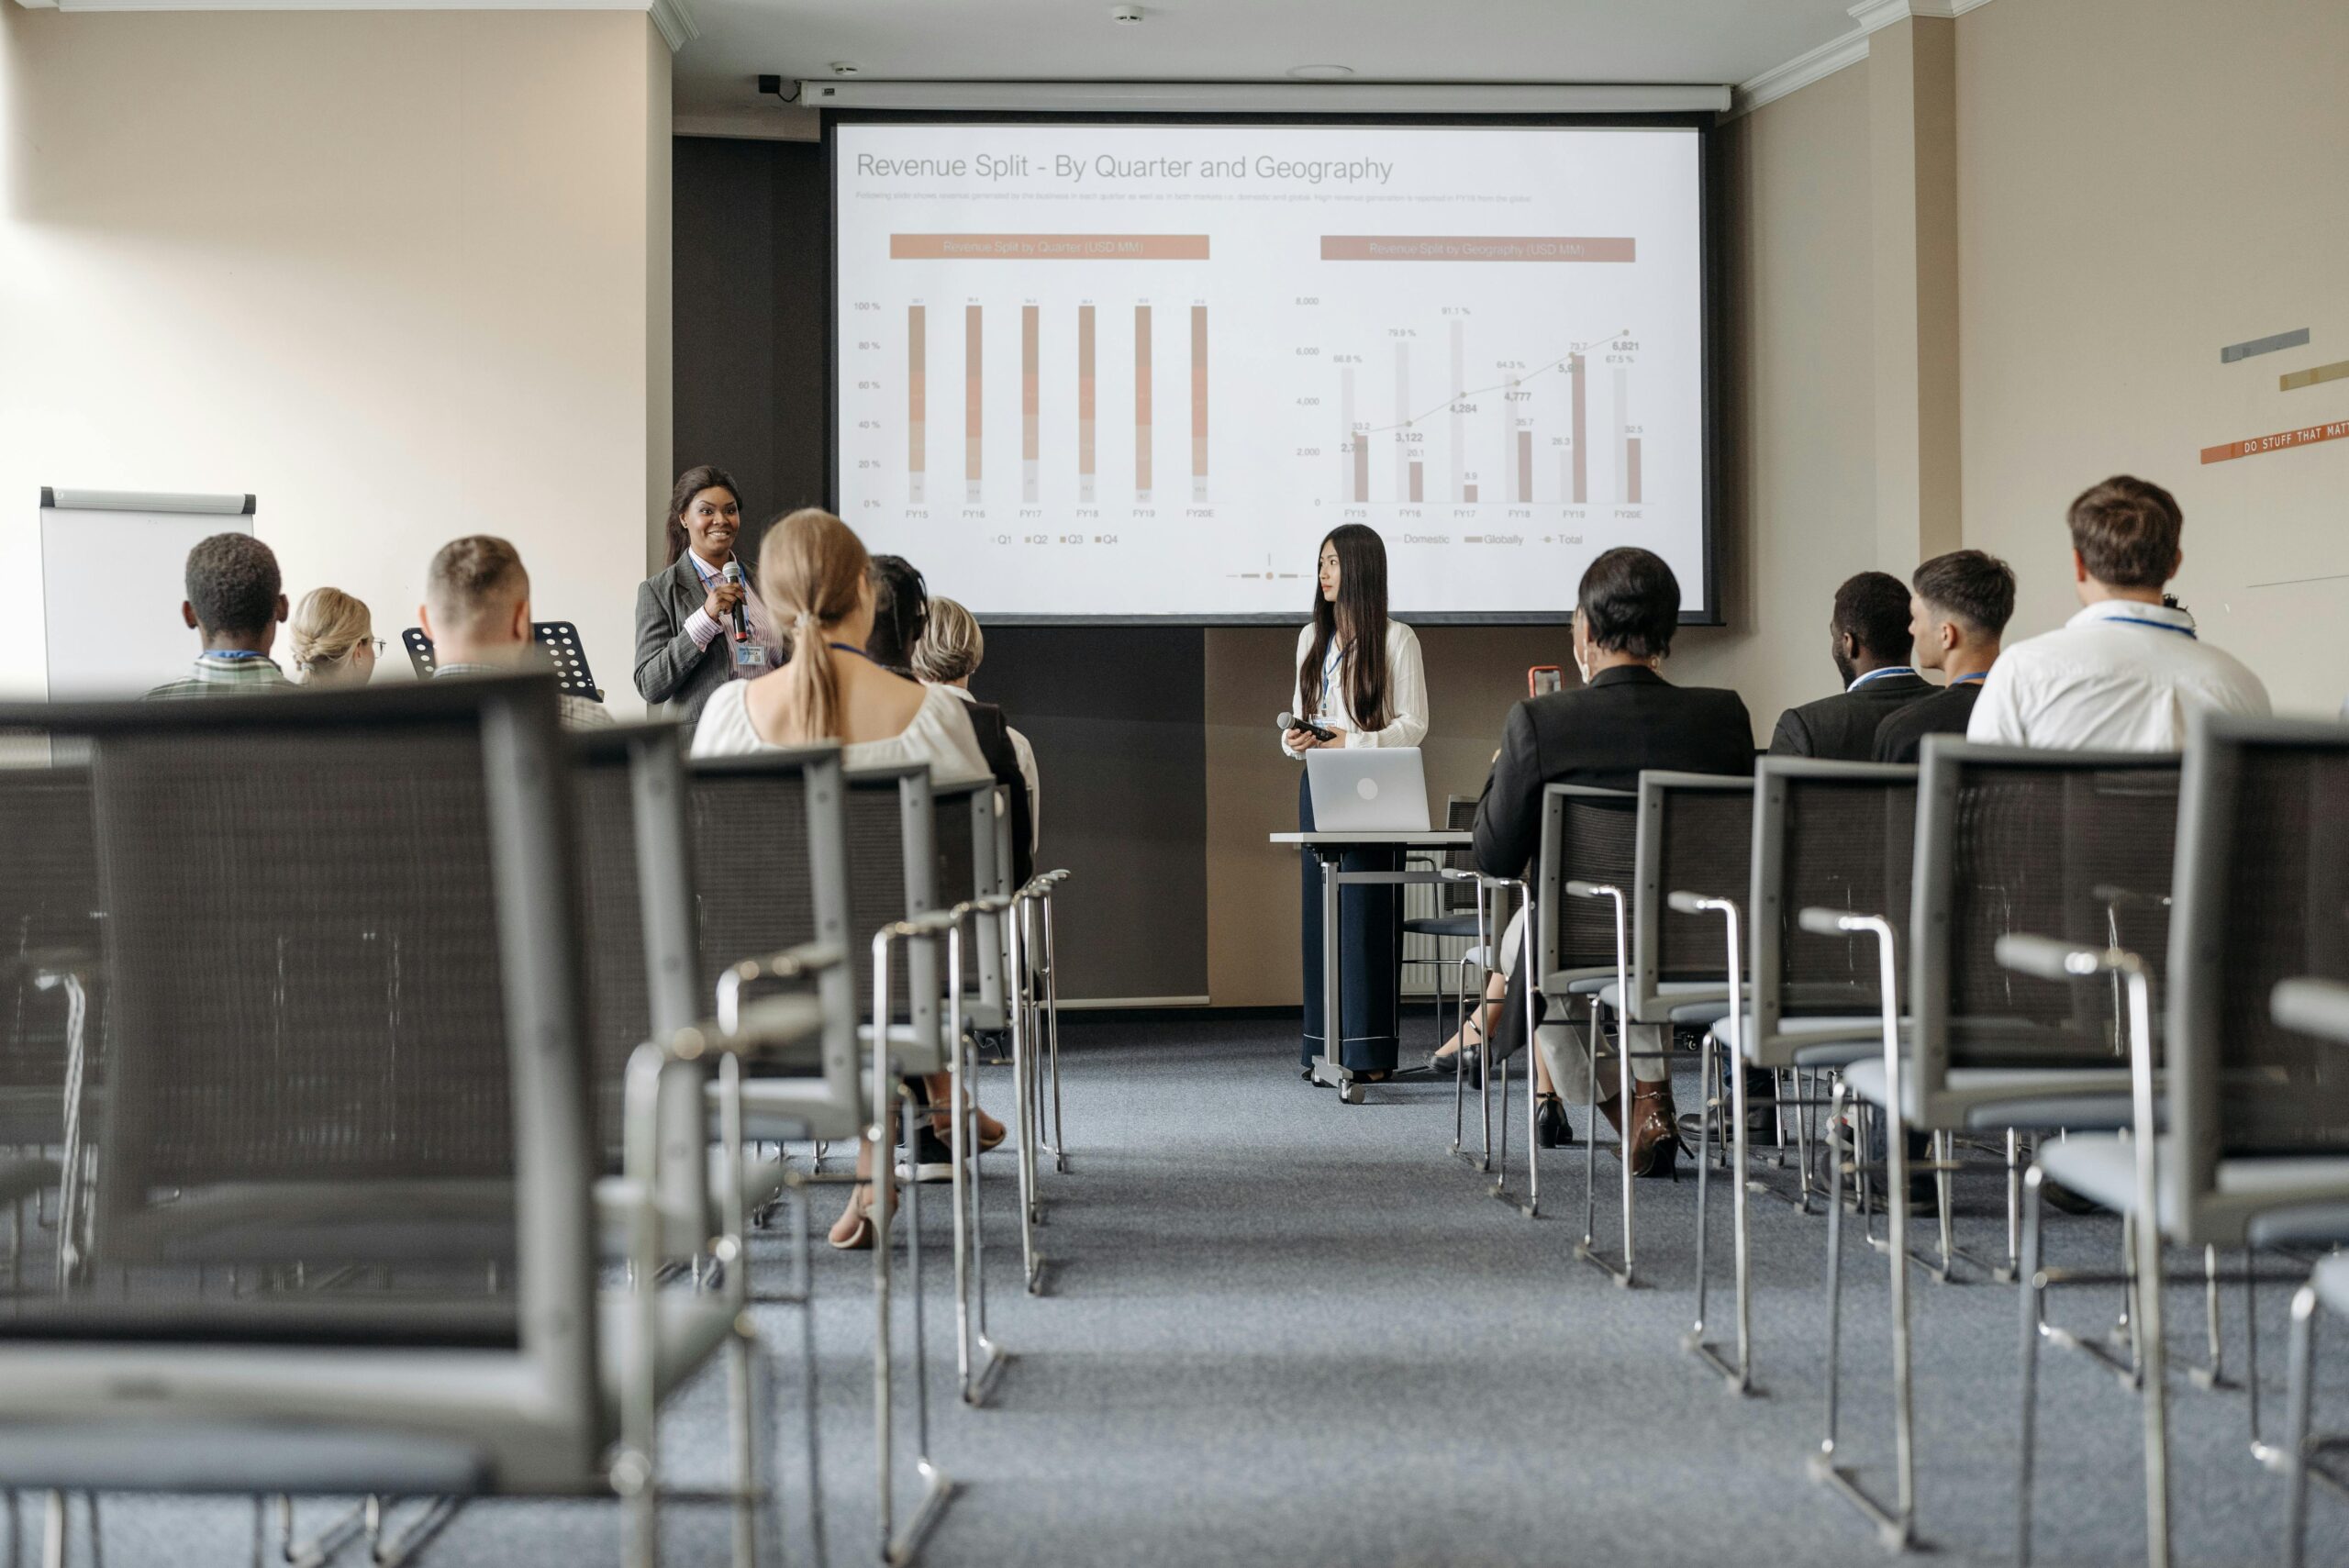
<point x="859" y="1237"/>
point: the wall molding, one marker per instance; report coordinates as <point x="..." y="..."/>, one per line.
<point x="673" y="18"/>
<point x="1811" y="66"/>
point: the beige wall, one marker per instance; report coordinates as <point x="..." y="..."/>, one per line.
<point x="2142" y="182"/>
<point x="403" y="276"/>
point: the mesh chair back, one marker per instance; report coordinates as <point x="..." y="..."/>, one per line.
<point x="1834" y="836"/>
<point x="2263" y="895"/>
<point x="769" y="870"/>
<point x="967" y="817"/>
<point x="342" y="953"/>
<point x="1695" y="835"/>
<point x="49" y="923"/>
<point x="1458" y="898"/>
<point x="893" y="873"/>
<point x="1588" y="835"/>
<point x="2071" y="845"/>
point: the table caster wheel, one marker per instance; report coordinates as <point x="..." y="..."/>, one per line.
<point x="1350" y="1092"/>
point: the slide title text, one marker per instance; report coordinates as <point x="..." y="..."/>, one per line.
<point x="1107" y="166"/>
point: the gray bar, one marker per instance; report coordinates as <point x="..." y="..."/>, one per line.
<point x="2234" y="351"/>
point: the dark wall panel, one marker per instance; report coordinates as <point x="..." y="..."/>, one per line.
<point x="1117" y="718"/>
<point x="1116" y="714"/>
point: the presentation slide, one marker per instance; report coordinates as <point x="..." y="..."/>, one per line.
<point x="1126" y="370"/>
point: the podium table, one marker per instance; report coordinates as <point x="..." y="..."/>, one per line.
<point x="1328" y="848"/>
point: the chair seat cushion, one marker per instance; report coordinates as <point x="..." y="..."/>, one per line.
<point x="2286" y="1197"/>
<point x="1996" y="1098"/>
<point x="1442" y="925"/>
<point x="778" y="1110"/>
<point x="1826" y="1039"/>
<point x="693" y="1325"/>
<point x="2331" y="1282"/>
<point x="165" y="1455"/>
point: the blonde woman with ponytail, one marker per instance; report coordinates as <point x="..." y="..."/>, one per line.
<point x="815" y="581"/>
<point x="334" y="640"/>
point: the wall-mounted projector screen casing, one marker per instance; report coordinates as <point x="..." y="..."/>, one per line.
<point x="1092" y="370"/>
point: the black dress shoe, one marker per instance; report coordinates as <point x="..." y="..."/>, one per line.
<point x="1468" y="1062"/>
<point x="1551" y="1128"/>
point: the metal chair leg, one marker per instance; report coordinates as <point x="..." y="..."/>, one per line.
<point x="2298" y="1401"/>
<point x="2033" y="1296"/>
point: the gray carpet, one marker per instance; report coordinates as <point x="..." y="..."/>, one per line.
<point x="1282" y="1330"/>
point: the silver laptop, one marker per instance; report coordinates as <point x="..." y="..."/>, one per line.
<point x="1372" y="789"/>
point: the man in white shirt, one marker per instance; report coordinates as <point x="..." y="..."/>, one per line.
<point x="2125" y="673"/>
<point x="476" y="610"/>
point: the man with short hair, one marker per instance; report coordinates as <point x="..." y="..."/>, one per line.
<point x="2126" y="673"/>
<point x="476" y="610"/>
<point x="1959" y="606"/>
<point x="1868" y="639"/>
<point x="236" y="600"/>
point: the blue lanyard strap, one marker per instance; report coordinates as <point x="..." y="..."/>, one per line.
<point x="238" y="654"/>
<point x="850" y="648"/>
<point x="1878" y="675"/>
<point x="2185" y="631"/>
<point x="1976" y="679"/>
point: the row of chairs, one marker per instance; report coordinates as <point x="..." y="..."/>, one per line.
<point x="400" y="1085"/>
<point x="2059" y="965"/>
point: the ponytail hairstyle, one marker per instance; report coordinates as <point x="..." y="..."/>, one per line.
<point x="812" y="568"/>
<point x="1360" y="613"/>
<point x="690" y="484"/>
<point x="328" y="627"/>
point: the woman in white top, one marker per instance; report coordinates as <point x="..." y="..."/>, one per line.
<point x="1358" y="677"/>
<point x="815" y="581"/>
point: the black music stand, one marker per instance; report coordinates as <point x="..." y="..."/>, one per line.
<point x="558" y="640"/>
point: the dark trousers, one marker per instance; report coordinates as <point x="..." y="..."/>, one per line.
<point x="1370" y="944"/>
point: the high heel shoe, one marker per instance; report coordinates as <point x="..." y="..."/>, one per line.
<point x="1551" y="1128"/>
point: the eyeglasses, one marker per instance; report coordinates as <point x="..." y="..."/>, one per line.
<point x="376" y="643"/>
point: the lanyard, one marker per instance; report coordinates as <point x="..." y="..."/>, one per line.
<point x="237" y="654"/>
<point x="1878" y="675"/>
<point x="1330" y="667"/>
<point x="850" y="648"/>
<point x="2185" y="631"/>
<point x="1976" y="679"/>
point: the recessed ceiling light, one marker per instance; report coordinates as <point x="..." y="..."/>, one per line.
<point x="1320" y="72"/>
<point x="841" y="68"/>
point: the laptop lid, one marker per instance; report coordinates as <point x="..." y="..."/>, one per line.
<point x="1375" y="789"/>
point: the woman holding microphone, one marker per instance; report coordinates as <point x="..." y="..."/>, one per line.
<point x="685" y="647"/>
<point x="1359" y="678"/>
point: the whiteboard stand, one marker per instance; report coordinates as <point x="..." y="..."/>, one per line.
<point x="127" y="551"/>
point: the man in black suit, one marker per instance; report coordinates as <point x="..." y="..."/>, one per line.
<point x="1624" y="718"/>
<point x="1869" y="642"/>
<point x="1956" y="615"/>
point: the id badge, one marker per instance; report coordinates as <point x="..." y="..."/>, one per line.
<point x="750" y="658"/>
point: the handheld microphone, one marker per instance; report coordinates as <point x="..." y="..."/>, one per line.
<point x="742" y="620"/>
<point x="1288" y="721"/>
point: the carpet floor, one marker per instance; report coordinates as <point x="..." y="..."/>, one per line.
<point x="1282" y="1330"/>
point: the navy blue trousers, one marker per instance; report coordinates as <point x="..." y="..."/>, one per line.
<point x="1370" y="946"/>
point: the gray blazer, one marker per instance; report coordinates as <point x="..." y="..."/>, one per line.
<point x="670" y="673"/>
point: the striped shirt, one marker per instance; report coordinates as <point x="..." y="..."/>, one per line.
<point x="225" y="675"/>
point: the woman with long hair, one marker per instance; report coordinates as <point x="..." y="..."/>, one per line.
<point x="334" y="640"/>
<point x="816" y="580"/>
<point x="685" y="643"/>
<point x="1359" y="678"/>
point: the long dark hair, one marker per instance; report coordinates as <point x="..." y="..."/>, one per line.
<point x="1360" y="608"/>
<point x="690" y="484"/>
<point x="900" y="613"/>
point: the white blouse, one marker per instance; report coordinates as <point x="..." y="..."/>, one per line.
<point x="1406" y="692"/>
<point x="940" y="735"/>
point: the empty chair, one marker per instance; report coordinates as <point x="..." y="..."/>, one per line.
<point x="2255" y="1152"/>
<point x="2007" y="842"/>
<point x="1456" y="915"/>
<point x="2319" y="1008"/>
<point x="346" y="1046"/>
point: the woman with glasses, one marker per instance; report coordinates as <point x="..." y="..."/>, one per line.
<point x="334" y="640"/>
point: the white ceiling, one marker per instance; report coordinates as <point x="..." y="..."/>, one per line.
<point x="1709" y="41"/>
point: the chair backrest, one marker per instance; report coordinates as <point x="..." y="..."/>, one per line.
<point x="49" y="923"/>
<point x="342" y="952"/>
<point x="966" y="817"/>
<point x="2263" y="895"/>
<point x="1588" y="835"/>
<point x="770" y="873"/>
<point x="2074" y="845"/>
<point x="635" y="896"/>
<point x="1695" y="834"/>
<point x="892" y="873"/>
<point x="1458" y="898"/>
<point x="1826" y="835"/>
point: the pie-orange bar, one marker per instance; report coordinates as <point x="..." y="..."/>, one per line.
<point x="1476" y="248"/>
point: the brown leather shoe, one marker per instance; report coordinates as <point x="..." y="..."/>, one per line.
<point x="1655" y="1128"/>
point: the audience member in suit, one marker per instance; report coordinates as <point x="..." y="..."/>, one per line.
<point x="950" y="653"/>
<point x="2128" y="671"/>
<point x="900" y="621"/>
<point x="334" y="640"/>
<point x="1869" y="642"/>
<point x="1960" y="605"/>
<point x="476" y="610"/>
<point x="235" y="601"/>
<point x="816" y="579"/>
<point x="685" y="643"/>
<point x="1623" y="718"/>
